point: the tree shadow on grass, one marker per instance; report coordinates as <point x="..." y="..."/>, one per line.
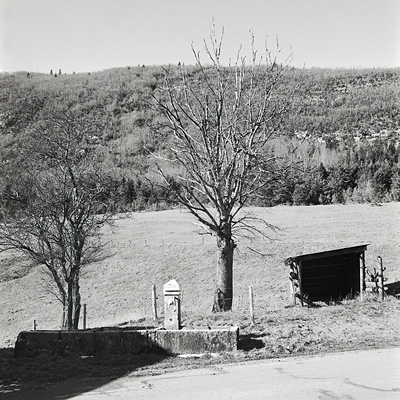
<point x="50" y="376"/>
<point x="251" y="341"/>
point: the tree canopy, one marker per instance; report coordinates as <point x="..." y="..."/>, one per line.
<point x="58" y="211"/>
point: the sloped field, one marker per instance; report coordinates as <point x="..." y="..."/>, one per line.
<point x="153" y="247"/>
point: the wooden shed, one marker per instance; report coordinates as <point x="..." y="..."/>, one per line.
<point x="327" y="275"/>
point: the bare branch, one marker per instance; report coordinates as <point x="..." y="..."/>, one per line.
<point x="57" y="226"/>
<point x="224" y="122"/>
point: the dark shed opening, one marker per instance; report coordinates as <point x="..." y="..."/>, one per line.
<point x="327" y="275"/>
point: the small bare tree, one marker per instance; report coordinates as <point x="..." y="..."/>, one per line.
<point x="224" y="121"/>
<point x="56" y="221"/>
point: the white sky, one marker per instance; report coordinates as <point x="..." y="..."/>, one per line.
<point x="92" y="35"/>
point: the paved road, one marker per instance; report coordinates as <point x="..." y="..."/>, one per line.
<point x="364" y="375"/>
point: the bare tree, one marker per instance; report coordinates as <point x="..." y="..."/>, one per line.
<point x="224" y="121"/>
<point x="57" y="220"/>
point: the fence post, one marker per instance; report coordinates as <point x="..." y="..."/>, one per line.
<point x="362" y="276"/>
<point x="154" y="302"/>
<point x="251" y="302"/>
<point x="34" y="325"/>
<point x="84" y="316"/>
<point x="381" y="278"/>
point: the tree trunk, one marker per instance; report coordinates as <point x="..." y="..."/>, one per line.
<point x="76" y="301"/>
<point x="224" y="287"/>
<point x="66" y="314"/>
<point x="72" y="304"/>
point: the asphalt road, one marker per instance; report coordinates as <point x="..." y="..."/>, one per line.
<point x="364" y="375"/>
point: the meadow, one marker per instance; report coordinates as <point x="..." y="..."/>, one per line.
<point x="150" y="248"/>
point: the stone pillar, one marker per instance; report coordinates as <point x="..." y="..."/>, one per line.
<point x="172" y="305"/>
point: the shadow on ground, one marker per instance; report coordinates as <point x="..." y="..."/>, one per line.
<point x="393" y="289"/>
<point x="251" y="341"/>
<point x="51" y="376"/>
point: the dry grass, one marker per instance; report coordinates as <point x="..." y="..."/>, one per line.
<point x="151" y="248"/>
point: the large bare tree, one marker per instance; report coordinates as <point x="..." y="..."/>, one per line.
<point x="58" y="207"/>
<point x="224" y="123"/>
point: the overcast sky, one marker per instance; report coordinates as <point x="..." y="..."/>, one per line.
<point x="92" y="35"/>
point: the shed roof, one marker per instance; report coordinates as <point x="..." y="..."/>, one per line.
<point x="328" y="253"/>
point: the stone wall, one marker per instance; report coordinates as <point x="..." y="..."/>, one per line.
<point x="126" y="341"/>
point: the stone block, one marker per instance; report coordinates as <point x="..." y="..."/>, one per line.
<point x="196" y="341"/>
<point x="126" y="341"/>
<point x="134" y="341"/>
<point x="108" y="342"/>
<point x="34" y="343"/>
<point x="78" y="342"/>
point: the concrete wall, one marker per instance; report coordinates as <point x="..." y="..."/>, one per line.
<point x="126" y="341"/>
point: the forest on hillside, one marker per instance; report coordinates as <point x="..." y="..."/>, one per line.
<point x="345" y="125"/>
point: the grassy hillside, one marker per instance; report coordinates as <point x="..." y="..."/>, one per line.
<point x="153" y="247"/>
<point x="348" y="120"/>
<point x="330" y="103"/>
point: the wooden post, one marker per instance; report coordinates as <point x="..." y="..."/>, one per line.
<point x="299" y="269"/>
<point x="293" y="275"/>
<point x="34" y="325"/>
<point x="362" y="275"/>
<point x="251" y="302"/>
<point x="154" y="301"/>
<point x="381" y="279"/>
<point x="84" y="316"/>
<point x="292" y="293"/>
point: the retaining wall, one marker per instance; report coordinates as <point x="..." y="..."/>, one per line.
<point x="126" y="341"/>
